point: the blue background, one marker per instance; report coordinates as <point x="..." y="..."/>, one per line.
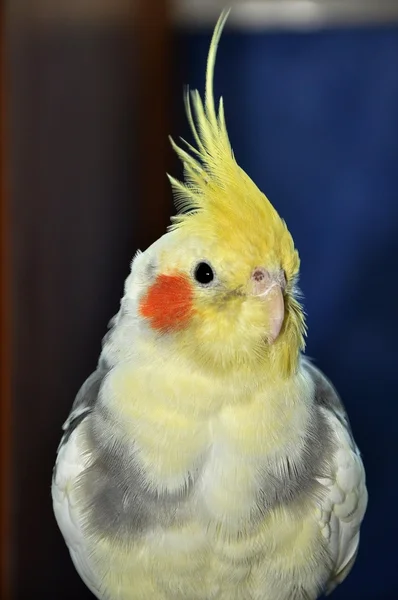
<point x="313" y="119"/>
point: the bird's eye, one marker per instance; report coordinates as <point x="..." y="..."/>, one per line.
<point x="203" y="273"/>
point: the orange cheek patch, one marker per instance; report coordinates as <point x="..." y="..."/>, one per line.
<point x="168" y="302"/>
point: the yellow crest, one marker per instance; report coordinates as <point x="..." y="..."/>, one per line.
<point x="216" y="192"/>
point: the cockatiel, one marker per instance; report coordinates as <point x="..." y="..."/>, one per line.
<point x="206" y="458"/>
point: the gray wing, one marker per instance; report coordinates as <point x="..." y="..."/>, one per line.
<point x="326" y="395"/>
<point x="83" y="404"/>
<point x="342" y="510"/>
<point x="71" y="462"/>
<point x="89" y="391"/>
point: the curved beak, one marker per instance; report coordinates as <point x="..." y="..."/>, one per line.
<point x="269" y="288"/>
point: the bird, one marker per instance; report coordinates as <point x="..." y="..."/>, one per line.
<point x="207" y="457"/>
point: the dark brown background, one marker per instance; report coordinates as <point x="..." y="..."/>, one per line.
<point x="84" y="152"/>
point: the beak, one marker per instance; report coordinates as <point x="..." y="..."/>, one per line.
<point x="269" y="288"/>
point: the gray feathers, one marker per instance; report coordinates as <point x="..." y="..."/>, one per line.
<point x="116" y="498"/>
<point x="292" y="478"/>
<point x="326" y="395"/>
<point x="87" y="395"/>
<point x="83" y="404"/>
<point x="118" y="501"/>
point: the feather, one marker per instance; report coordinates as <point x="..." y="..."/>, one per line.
<point x="217" y="196"/>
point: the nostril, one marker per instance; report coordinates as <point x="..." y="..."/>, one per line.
<point x="258" y="274"/>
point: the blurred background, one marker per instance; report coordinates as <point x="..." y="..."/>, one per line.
<point x="90" y="89"/>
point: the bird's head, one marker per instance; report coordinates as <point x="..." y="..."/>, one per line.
<point x="222" y="283"/>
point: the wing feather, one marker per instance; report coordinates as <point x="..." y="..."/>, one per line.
<point x="344" y="505"/>
<point x="71" y="461"/>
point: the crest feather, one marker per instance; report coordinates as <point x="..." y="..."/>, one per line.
<point x="210" y="169"/>
<point x="216" y="194"/>
<point x="212" y="160"/>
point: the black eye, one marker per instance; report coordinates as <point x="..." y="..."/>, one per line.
<point x="203" y="273"/>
